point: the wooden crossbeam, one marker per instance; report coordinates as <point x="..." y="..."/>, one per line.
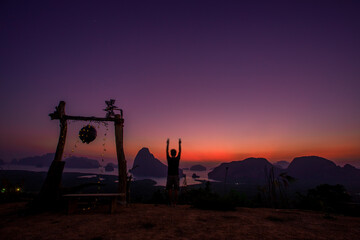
<point x="81" y="118"/>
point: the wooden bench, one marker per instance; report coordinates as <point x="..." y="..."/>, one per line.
<point x="73" y="199"/>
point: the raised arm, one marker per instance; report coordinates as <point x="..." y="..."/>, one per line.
<point x="179" y="147"/>
<point x="167" y="149"/>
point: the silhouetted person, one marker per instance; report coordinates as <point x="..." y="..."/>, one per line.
<point x="172" y="182"/>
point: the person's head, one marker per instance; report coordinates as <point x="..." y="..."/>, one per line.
<point x="173" y="152"/>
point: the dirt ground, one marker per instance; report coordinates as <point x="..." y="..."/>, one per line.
<point x="146" y="221"/>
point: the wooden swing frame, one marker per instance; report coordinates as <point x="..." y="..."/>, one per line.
<point x="50" y="191"/>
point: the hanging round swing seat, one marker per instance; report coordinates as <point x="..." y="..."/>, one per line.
<point x="87" y="134"/>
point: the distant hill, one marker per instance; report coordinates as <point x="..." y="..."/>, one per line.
<point x="110" y="167"/>
<point x="46" y="160"/>
<point x="281" y="164"/>
<point x="198" y="168"/>
<point x="146" y="165"/>
<point x="81" y="162"/>
<point x="37" y="161"/>
<point x="308" y="171"/>
<point x="318" y="170"/>
<point x="250" y="170"/>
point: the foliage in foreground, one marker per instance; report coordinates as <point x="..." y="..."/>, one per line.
<point x="204" y="198"/>
<point x="330" y="199"/>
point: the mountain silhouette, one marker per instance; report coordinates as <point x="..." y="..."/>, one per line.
<point x="250" y="170"/>
<point x="46" y="160"/>
<point x="318" y="170"/>
<point x="146" y="165"/>
<point x="81" y="162"/>
<point x="110" y="167"/>
<point x="38" y="161"/>
<point x="198" y="168"/>
<point x="308" y="171"/>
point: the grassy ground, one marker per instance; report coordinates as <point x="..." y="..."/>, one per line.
<point x="148" y="221"/>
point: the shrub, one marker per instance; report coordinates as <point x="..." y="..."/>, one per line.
<point x="159" y="197"/>
<point x="239" y="199"/>
<point x="206" y="199"/>
<point x="325" y="197"/>
<point x="213" y="201"/>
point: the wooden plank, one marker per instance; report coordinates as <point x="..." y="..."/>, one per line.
<point x="73" y="200"/>
<point x="95" y="195"/>
<point x="81" y="118"/>
<point x="112" y="206"/>
<point x="72" y="205"/>
<point x="119" y="126"/>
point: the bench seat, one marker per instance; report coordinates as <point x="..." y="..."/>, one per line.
<point x="73" y="199"/>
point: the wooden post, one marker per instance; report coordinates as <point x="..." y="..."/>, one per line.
<point x="119" y="125"/>
<point x="50" y="190"/>
<point x="60" y="110"/>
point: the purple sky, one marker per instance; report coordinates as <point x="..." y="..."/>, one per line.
<point x="233" y="79"/>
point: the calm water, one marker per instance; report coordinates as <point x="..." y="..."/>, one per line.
<point x="203" y="175"/>
<point x="45" y="169"/>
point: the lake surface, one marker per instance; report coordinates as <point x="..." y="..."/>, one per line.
<point x="203" y="175"/>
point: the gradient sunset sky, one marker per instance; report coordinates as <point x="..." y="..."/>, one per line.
<point x="233" y="79"/>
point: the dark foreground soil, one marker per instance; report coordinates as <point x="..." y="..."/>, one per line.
<point x="146" y="221"/>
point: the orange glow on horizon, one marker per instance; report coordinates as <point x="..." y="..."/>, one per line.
<point x="198" y="149"/>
